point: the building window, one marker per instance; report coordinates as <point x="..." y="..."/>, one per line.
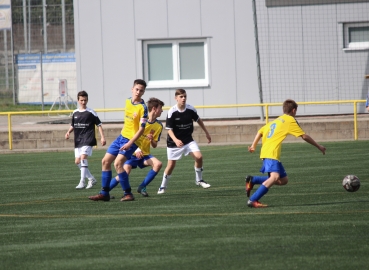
<point x="176" y="63"/>
<point x="356" y="36"/>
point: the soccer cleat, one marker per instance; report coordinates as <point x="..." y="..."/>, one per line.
<point x="99" y="197"/>
<point x="127" y="197"/>
<point x="256" y="204"/>
<point x="249" y="185"/>
<point x="81" y="185"/>
<point x="91" y="183"/>
<point x="203" y="184"/>
<point x="161" y="190"/>
<point x="143" y="191"/>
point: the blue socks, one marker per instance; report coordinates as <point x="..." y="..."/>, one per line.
<point x="260" y="192"/>
<point x="259" y="179"/>
<point x="124" y="182"/>
<point x="123" y="179"/>
<point x="149" y="177"/>
<point x="113" y="183"/>
<point x="105" y="182"/>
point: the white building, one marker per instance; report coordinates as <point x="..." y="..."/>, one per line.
<point x="208" y="47"/>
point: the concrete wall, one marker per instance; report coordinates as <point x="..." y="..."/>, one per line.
<point x="51" y="137"/>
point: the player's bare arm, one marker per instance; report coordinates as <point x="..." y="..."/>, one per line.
<point x="134" y="138"/>
<point x="70" y="130"/>
<point x="178" y="143"/>
<point x="252" y="148"/>
<point x="102" y="137"/>
<point x="202" y="125"/>
<point x="310" y="140"/>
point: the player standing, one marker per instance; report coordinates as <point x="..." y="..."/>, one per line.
<point x="179" y="124"/>
<point x="83" y="124"/>
<point x="124" y="145"/>
<point x="142" y="157"/>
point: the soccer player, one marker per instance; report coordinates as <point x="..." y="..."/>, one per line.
<point x="124" y="145"/>
<point x="83" y="123"/>
<point x="179" y="124"/>
<point x="272" y="135"/>
<point x="142" y="157"/>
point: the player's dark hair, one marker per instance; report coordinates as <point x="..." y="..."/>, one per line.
<point x="289" y="105"/>
<point x="154" y="103"/>
<point x="82" y="94"/>
<point x="180" y="92"/>
<point x="140" y="82"/>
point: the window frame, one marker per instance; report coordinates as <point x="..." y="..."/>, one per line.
<point x="353" y="46"/>
<point x="176" y="82"/>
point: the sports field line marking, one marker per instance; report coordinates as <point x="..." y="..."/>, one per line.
<point x="182" y="215"/>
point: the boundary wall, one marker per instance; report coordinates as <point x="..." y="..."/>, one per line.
<point x="43" y="136"/>
<point x="50" y="137"/>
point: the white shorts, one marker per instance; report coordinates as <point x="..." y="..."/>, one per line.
<point x="176" y="153"/>
<point x="84" y="150"/>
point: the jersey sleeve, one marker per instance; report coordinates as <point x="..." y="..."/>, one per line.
<point x="169" y="121"/>
<point x="97" y="121"/>
<point x="157" y="134"/>
<point x="262" y="130"/>
<point x="194" y="115"/>
<point x="295" y="129"/>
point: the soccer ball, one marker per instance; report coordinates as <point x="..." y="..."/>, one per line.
<point x="351" y="183"/>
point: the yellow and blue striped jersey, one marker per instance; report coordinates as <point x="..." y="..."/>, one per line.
<point x="135" y="116"/>
<point x="275" y="132"/>
<point x="155" y="128"/>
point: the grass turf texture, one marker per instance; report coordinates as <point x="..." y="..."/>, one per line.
<point x="310" y="223"/>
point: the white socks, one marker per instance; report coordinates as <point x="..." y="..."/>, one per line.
<point x="164" y="183"/>
<point x="85" y="172"/>
<point x="198" y="172"/>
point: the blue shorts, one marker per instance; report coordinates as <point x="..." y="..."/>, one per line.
<point x="117" y="144"/>
<point x="272" y="165"/>
<point x="135" y="162"/>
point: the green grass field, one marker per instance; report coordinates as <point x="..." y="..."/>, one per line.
<point x="312" y="223"/>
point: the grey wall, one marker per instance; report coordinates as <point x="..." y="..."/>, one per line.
<point x="300" y="51"/>
<point x="109" y="38"/>
<point x="302" y="56"/>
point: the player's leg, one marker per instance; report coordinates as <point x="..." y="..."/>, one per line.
<point x="276" y="172"/>
<point x="281" y="181"/>
<point x="193" y="149"/>
<point x="77" y="161"/>
<point x="122" y="174"/>
<point x="155" y="168"/>
<point x="106" y="173"/>
<point x="122" y="157"/>
<point x="166" y="176"/>
<point x="115" y="181"/>
<point x="86" y="151"/>
<point x="252" y="180"/>
<point x="173" y="155"/>
<point x="84" y="166"/>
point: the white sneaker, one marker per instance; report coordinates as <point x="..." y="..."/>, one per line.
<point x="161" y="190"/>
<point x="203" y="184"/>
<point x="91" y="183"/>
<point x="81" y="185"/>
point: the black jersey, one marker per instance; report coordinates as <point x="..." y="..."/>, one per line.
<point x="181" y="123"/>
<point x="83" y="123"/>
